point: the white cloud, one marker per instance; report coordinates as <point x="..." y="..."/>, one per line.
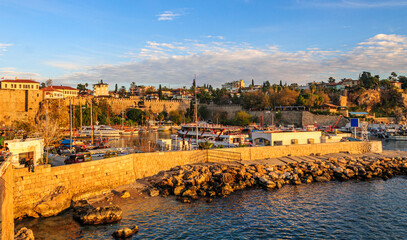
<point x="168" y="16"/>
<point x="3" y="47"/>
<point x="353" y="3"/>
<point x="221" y="61"/>
<point x="11" y="73"/>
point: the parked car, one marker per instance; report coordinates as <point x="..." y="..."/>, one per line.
<point x="78" y="158"/>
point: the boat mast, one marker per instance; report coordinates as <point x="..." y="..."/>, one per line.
<point x="70" y="121"/>
<point x="196" y="111"/>
<point x="91" y="122"/>
<point x="80" y="108"/>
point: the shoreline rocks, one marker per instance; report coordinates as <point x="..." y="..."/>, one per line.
<point x="24" y="234"/>
<point x="53" y="204"/>
<point x="125" y="232"/>
<point x="87" y="214"/>
<point x="192" y="182"/>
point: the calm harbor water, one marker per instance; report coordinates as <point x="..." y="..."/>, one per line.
<point x="335" y="210"/>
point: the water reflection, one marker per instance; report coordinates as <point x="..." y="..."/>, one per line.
<point x="344" y="210"/>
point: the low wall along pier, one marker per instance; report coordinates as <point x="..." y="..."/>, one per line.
<point x="93" y="177"/>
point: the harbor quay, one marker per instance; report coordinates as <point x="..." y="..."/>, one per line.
<point x="50" y="190"/>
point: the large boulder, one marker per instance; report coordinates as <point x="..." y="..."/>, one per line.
<point x="125" y="232"/>
<point x="54" y="203"/>
<point x="89" y="215"/>
<point x="24" y="234"/>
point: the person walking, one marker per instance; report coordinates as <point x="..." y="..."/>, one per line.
<point x="30" y="164"/>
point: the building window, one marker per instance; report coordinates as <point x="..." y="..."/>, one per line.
<point x="294" y="141"/>
<point x="311" y="140"/>
<point x="5" y="85"/>
<point x="37" y="86"/>
<point x="19" y="86"/>
<point x="277" y="143"/>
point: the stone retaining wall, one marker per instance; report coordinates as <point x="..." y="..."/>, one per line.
<point x="6" y="201"/>
<point x="96" y="176"/>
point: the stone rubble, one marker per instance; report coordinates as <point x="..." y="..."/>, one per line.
<point x="192" y="182"/>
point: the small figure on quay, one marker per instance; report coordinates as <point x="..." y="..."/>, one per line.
<point x="30" y="164"/>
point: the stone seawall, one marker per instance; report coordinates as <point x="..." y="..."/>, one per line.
<point x="95" y="176"/>
<point x="6" y="201"/>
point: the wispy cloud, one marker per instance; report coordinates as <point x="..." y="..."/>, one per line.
<point x="3" y="47"/>
<point x="353" y="3"/>
<point x="216" y="37"/>
<point x="168" y="16"/>
<point x="175" y="63"/>
<point x="11" y="73"/>
<point x="64" y="65"/>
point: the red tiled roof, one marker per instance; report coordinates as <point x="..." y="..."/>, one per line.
<point x="49" y="89"/>
<point x="65" y="88"/>
<point x="19" y="81"/>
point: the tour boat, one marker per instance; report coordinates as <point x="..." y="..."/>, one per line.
<point x="219" y="135"/>
<point x="101" y="131"/>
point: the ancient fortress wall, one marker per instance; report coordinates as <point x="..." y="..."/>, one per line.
<point x="6" y="201"/>
<point x="18" y="105"/>
<point x="122" y="104"/>
<point x="95" y="176"/>
<point x="22" y="105"/>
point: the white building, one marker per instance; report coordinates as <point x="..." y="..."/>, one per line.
<point x="52" y="93"/>
<point x="268" y="138"/>
<point x="19" y="84"/>
<point x="101" y="89"/>
<point x="25" y="148"/>
<point x="67" y="91"/>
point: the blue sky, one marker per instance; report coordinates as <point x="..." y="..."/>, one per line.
<point x="153" y="42"/>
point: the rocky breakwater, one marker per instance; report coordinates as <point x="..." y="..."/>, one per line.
<point x="192" y="182"/>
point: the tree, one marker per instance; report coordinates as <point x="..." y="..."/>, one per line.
<point x="242" y="119"/>
<point x="160" y="92"/>
<point x="385" y="84"/>
<point x="266" y="86"/>
<point x="331" y="80"/>
<point x="122" y="91"/>
<point x="393" y="76"/>
<point x="255" y="100"/>
<point x="115" y="88"/>
<point x="368" y="81"/>
<point x="285" y="97"/>
<point x="205" y="145"/>
<point x="136" y="115"/>
<point x="49" y="129"/>
<point x="48" y="83"/>
<point x="403" y="80"/>
<point x="204" y="97"/>
<point x="176" y="116"/>
<point x="81" y="87"/>
<point x="203" y="112"/>
<point x="252" y="82"/>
